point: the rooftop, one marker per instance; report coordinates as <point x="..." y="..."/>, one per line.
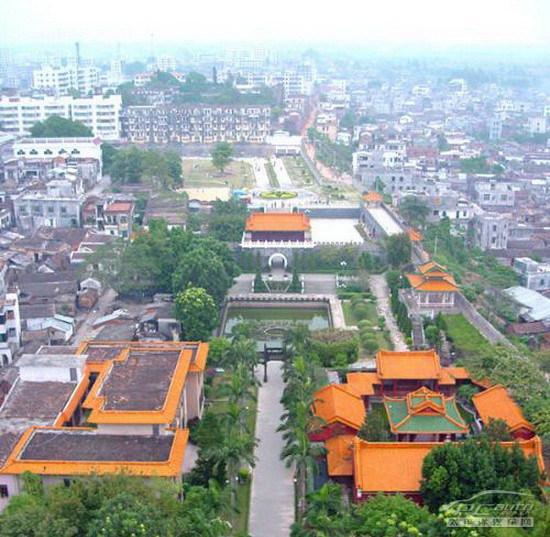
<point x="335" y="403"/>
<point x="496" y="403"/>
<point x="408" y="365"/>
<point x="424" y="411"/>
<point x="79" y="451"/>
<point x="385" y="221"/>
<point x="34" y="403"/>
<point x="278" y="222"/>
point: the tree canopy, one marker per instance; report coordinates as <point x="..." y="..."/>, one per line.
<point x="222" y="155"/>
<point x="161" y="169"/>
<point x="458" y="470"/>
<point x="399" y="250"/>
<point x="197" y="312"/>
<point x="166" y="260"/>
<point x="59" y="127"/>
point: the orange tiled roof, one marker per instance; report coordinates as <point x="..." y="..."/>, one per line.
<point x="375" y="468"/>
<point x="372" y="196"/>
<point x="340" y="455"/>
<point x="389" y="466"/>
<point x="459" y="373"/>
<point x="414" y="236"/>
<point x="362" y="383"/>
<point x="278" y="222"/>
<point x="432" y="266"/>
<point x="496" y="403"/>
<point x="408" y="364"/>
<point x="168" y="468"/>
<point x="429" y="282"/>
<point x="336" y="404"/>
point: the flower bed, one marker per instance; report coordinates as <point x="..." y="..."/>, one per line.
<point x="278" y="195"/>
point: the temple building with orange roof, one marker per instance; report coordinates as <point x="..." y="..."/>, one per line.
<point x="275" y="236"/>
<point x="103" y="407"/>
<point x="432" y="287"/>
<point x="417" y="398"/>
<point x="495" y="403"/>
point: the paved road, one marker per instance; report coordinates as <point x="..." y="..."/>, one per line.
<point x="272" y="499"/>
<point x="282" y="174"/>
<point x="260" y="173"/>
<point x="380" y="289"/>
<point x="86" y="329"/>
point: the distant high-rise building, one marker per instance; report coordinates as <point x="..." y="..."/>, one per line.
<point x="495" y="128"/>
<point x="61" y="80"/>
<point x="166" y="63"/>
<point x="101" y="114"/>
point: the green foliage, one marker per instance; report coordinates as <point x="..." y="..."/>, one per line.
<point x="479" y="165"/>
<point x="375" y="428"/>
<point x="520" y="373"/>
<point x="414" y="210"/>
<point x="391" y="516"/>
<point x="330" y="344"/>
<point x="458" y="470"/>
<point x="163" y="260"/>
<point x="227" y="219"/>
<point x="328" y="259"/>
<point x="108" y="153"/>
<point x="59" y="127"/>
<point x="161" y="169"/>
<point x="197" y="312"/>
<point x="114" y="506"/>
<point x="331" y="154"/>
<point x="399" y="250"/>
<point x="497" y="431"/>
<point x="451" y="250"/>
<point x="295" y="284"/>
<point x="222" y="155"/>
<point x="259" y="284"/>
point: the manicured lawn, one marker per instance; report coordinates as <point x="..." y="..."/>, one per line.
<point x="240" y="523"/>
<point x="298" y="171"/>
<point x="201" y="173"/>
<point x="272" y="176"/>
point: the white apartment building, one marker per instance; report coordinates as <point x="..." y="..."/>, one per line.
<point x="491" y="231"/>
<point x="10" y="327"/>
<point x="64" y="79"/>
<point x="100" y="113"/>
<point x="166" y="63"/>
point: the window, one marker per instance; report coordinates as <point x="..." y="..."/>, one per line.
<point x="156" y="430"/>
<point x="12" y="333"/>
<point x="72" y="374"/>
<point x="4" y="492"/>
<point x="486" y="197"/>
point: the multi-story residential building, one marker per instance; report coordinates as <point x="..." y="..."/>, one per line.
<point x="166" y="63"/>
<point x="197" y="123"/>
<point x="62" y="80"/>
<point x="532" y="274"/>
<point x="493" y="194"/>
<point x="10" y="327"/>
<point x="491" y="231"/>
<point x="100" y="113"/>
<point x="52" y="209"/>
<point x="114" y="217"/>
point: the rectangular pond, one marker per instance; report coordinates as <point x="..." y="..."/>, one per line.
<point x="270" y="322"/>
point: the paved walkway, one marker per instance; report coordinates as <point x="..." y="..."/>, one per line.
<point x="272" y="498"/>
<point x="260" y="173"/>
<point x="282" y="174"/>
<point x="379" y="288"/>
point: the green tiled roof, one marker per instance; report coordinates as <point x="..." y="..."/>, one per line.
<point x="424" y="423"/>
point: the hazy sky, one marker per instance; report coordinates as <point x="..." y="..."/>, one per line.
<point x="487" y="23"/>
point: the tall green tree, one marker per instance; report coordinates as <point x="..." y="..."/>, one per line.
<point x="222" y="155"/>
<point x="399" y="250"/>
<point x="197" y="312"/>
<point x="414" y="210"/>
<point x="59" y="127"/>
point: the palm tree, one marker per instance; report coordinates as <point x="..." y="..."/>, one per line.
<point x="296" y="340"/>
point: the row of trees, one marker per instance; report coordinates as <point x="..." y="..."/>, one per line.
<point x="225" y="434"/>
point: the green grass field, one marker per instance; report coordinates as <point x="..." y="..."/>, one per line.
<point x="201" y="173"/>
<point x="298" y="171"/>
<point x="465" y="337"/>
